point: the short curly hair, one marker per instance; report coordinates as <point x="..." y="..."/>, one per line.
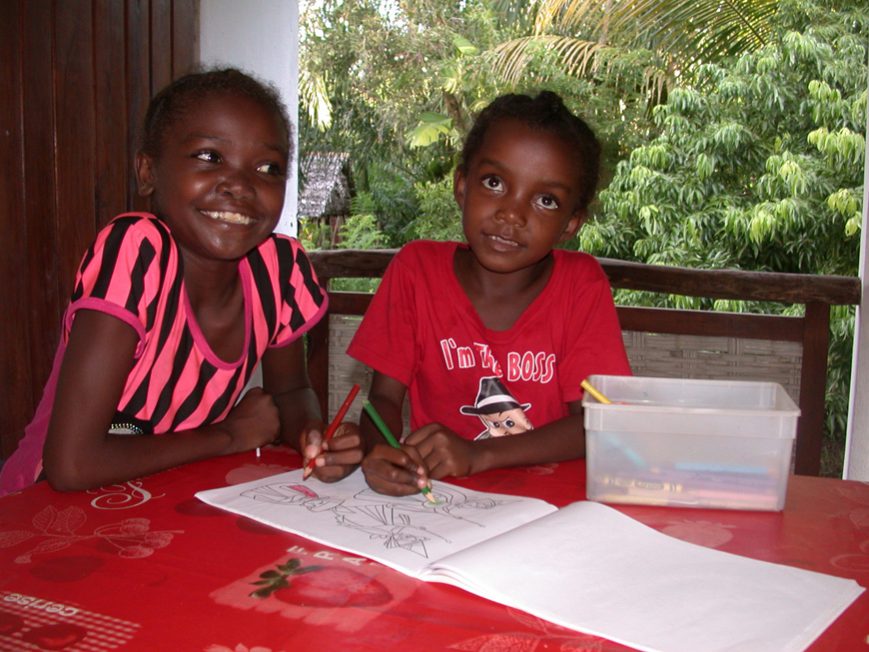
<point x="546" y="112"/>
<point x="174" y="100"/>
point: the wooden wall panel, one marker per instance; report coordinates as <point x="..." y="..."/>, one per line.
<point x="138" y="84"/>
<point x="161" y="32"/>
<point x="75" y="137"/>
<point x="76" y="79"/>
<point x="110" y="102"/>
<point x="39" y="283"/>
<point x="14" y="332"/>
<point x="185" y="37"/>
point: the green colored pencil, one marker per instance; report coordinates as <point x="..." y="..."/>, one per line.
<point x="391" y="440"/>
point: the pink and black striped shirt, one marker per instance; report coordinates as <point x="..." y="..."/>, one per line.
<point x="133" y="271"/>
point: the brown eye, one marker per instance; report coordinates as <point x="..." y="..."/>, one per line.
<point x="207" y="155"/>
<point x="492" y="182"/>
<point x="271" y="169"/>
<point x="548" y="202"/>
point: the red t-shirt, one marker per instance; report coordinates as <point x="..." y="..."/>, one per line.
<point x="422" y="330"/>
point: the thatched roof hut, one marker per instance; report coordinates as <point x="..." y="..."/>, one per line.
<point x="326" y="185"/>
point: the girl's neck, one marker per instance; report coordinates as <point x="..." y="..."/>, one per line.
<point x="499" y="298"/>
<point x="209" y="282"/>
<point x="216" y="298"/>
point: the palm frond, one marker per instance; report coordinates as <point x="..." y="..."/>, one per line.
<point x="577" y="55"/>
<point x="688" y="30"/>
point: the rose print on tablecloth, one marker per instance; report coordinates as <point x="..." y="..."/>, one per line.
<point x="55" y="530"/>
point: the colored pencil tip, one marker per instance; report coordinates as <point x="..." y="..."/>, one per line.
<point x="429" y="496"/>
<point x="596" y="393"/>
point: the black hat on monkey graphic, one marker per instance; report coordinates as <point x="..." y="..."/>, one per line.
<point x="492" y="397"/>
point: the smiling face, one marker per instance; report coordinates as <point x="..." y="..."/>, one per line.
<point x="519" y="196"/>
<point x="220" y="177"/>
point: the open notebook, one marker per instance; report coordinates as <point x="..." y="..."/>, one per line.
<point x="586" y="566"/>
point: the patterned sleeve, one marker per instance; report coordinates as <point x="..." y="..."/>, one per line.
<point x="303" y="301"/>
<point x="122" y="272"/>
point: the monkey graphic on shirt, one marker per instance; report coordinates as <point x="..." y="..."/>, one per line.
<point x="500" y="413"/>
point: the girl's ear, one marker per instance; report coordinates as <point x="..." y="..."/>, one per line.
<point x="459" y="186"/>
<point x="145" y="174"/>
<point x="572" y="225"/>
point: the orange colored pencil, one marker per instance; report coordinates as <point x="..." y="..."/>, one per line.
<point x="339" y="415"/>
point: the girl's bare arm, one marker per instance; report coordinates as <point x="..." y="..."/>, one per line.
<point x="80" y="454"/>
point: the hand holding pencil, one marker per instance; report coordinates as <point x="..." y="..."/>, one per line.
<point x="338" y="455"/>
<point x="406" y="464"/>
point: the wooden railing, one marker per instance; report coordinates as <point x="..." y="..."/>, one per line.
<point x="810" y="331"/>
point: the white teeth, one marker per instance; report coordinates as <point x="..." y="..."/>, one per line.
<point x="231" y="218"/>
<point x="505" y="241"/>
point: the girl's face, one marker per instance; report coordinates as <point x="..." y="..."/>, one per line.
<point x="518" y="196"/>
<point x="220" y="178"/>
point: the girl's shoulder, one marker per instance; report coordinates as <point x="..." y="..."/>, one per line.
<point x="277" y="252"/>
<point x="426" y="254"/>
<point x="136" y="227"/>
<point x="134" y="238"/>
<point x="578" y="266"/>
<point x="142" y="222"/>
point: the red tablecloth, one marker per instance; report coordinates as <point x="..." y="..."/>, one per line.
<point x="146" y="566"/>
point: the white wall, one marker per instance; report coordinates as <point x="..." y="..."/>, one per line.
<point x="260" y="36"/>
<point x="857" y="444"/>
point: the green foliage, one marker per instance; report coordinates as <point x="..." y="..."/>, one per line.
<point x="439" y="216"/>
<point x="359" y="232"/>
<point x="755" y="161"/>
<point x="314" y="234"/>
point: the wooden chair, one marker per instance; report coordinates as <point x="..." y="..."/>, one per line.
<point x="672" y="343"/>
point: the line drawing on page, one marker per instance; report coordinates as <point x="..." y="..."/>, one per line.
<point x="409" y="523"/>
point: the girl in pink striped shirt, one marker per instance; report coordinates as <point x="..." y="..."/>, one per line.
<point x="172" y="311"/>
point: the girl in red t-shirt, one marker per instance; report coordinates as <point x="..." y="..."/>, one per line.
<point x="491" y="339"/>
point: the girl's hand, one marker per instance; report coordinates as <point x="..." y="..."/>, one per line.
<point x="253" y="422"/>
<point x="443" y="452"/>
<point x="336" y="458"/>
<point x="395" y="471"/>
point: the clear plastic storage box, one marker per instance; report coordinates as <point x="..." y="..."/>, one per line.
<point x="689" y="443"/>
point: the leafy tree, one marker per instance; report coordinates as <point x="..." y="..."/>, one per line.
<point x="761" y="168"/>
